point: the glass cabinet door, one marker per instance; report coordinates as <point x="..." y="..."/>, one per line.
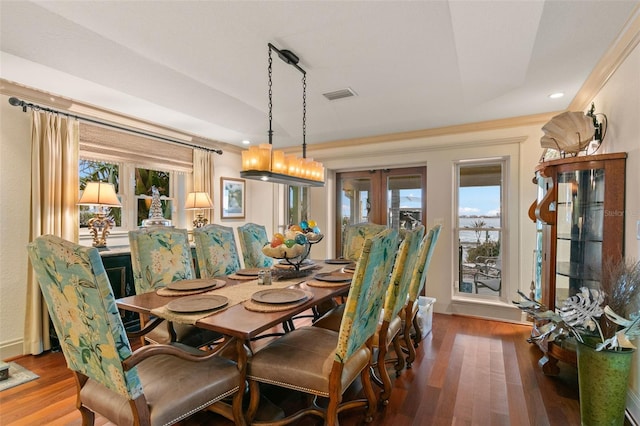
<point x="580" y="219"/>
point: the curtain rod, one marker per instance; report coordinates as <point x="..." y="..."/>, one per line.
<point x="20" y="103"/>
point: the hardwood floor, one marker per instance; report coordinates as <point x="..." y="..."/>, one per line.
<point x="467" y="371"/>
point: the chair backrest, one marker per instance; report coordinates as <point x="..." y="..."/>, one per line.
<point x="252" y="238"/>
<point x="366" y="294"/>
<point x="216" y="250"/>
<point x="83" y="311"/>
<point x="159" y="256"/>
<point x="419" y="273"/>
<point x="354" y="237"/>
<point x="403" y="266"/>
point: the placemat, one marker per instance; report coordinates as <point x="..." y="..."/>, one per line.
<point x="250" y="305"/>
<point x="168" y="292"/>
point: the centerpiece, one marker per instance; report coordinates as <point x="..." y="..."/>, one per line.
<point x="603" y="322"/>
<point x="293" y="246"/>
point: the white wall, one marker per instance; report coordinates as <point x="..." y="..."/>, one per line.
<point x="15" y="181"/>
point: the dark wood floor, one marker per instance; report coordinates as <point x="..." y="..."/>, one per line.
<point x="468" y="371"/>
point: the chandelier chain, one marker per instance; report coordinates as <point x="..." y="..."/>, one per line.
<point x="304" y="115"/>
<point x="270" y="98"/>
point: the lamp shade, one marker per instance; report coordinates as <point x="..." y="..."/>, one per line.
<point x="99" y="194"/>
<point x="198" y="200"/>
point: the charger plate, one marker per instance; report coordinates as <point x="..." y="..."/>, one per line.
<point x="278" y="295"/>
<point x="334" y="277"/>
<point x="197" y="303"/>
<point x="198" y="284"/>
<point x="338" y="261"/>
<point x="249" y="272"/>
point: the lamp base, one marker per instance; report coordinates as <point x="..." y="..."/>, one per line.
<point x="99" y="226"/>
<point x="200" y="221"/>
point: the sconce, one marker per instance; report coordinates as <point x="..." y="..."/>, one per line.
<point x="198" y="201"/>
<point x="101" y="195"/>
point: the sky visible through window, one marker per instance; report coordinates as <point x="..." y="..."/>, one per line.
<point x="479" y="201"/>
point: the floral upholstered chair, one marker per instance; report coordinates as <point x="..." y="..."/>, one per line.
<point x="354" y="237"/>
<point x="125" y="387"/>
<point x="216" y="250"/>
<point x="159" y="256"/>
<point x="324" y="362"/>
<point x="418" y="280"/>
<point x="390" y="323"/>
<point x="252" y="238"/>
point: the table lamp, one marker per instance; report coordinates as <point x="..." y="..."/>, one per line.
<point x="198" y="201"/>
<point x="103" y="196"/>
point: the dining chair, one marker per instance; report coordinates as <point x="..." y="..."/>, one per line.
<point x="159" y="256"/>
<point x="252" y="238"/>
<point x="323" y="362"/>
<point x="155" y="385"/>
<point x="354" y="237"/>
<point x="216" y="250"/>
<point x="418" y="280"/>
<point x="390" y="323"/>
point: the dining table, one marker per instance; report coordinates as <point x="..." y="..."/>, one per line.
<point x="244" y="318"/>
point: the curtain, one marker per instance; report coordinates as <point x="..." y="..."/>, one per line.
<point x="203" y="176"/>
<point x="54" y="194"/>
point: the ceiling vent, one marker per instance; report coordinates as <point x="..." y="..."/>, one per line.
<point x="339" y="94"/>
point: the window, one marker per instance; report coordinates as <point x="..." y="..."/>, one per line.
<point x="480" y="226"/>
<point x="92" y="171"/>
<point x="297" y="204"/>
<point x="145" y="180"/>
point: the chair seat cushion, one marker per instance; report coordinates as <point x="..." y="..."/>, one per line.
<point x="193" y="386"/>
<point x="303" y="359"/>
<point x="492" y="283"/>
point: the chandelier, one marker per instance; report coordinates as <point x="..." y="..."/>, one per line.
<point x="266" y="164"/>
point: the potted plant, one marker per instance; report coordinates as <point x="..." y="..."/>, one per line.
<point x="603" y="323"/>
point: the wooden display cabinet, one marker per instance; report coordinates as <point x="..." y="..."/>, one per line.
<point x="580" y="210"/>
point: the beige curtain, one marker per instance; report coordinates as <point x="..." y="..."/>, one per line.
<point x="203" y="176"/>
<point x="54" y="194"/>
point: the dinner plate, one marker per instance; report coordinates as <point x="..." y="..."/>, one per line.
<point x="334" y="277"/>
<point x="250" y="272"/>
<point x="197" y="303"/>
<point x="338" y="261"/>
<point x="198" y="284"/>
<point x="278" y="295"/>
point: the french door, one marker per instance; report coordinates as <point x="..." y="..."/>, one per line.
<point x="392" y="197"/>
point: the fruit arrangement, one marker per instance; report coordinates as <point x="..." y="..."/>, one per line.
<point x="294" y="242"/>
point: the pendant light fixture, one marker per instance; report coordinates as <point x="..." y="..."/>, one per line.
<point x="268" y="165"/>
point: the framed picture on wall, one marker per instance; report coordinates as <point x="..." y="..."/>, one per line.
<point x="233" y="199"/>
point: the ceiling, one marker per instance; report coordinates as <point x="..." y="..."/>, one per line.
<point x="201" y="66"/>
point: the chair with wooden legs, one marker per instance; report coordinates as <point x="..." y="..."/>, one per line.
<point x="159" y="256"/>
<point x="252" y="238"/>
<point x="322" y="362"/>
<point x="418" y="280"/>
<point x="156" y="384"/>
<point x="390" y="324"/>
<point x="216" y="250"/>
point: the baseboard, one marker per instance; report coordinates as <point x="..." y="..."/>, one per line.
<point x="633" y="408"/>
<point x="11" y="349"/>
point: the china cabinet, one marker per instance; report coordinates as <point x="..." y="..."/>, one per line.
<point x="580" y="216"/>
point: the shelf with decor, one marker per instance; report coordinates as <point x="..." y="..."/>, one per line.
<point x="579" y="213"/>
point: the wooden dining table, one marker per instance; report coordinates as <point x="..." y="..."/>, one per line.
<point x="240" y="324"/>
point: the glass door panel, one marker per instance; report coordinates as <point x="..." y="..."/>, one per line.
<point x="393" y="197"/>
<point x="580" y="208"/>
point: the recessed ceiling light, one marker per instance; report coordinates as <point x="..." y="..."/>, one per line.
<point x="246" y="142"/>
<point x="556" y="95"/>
